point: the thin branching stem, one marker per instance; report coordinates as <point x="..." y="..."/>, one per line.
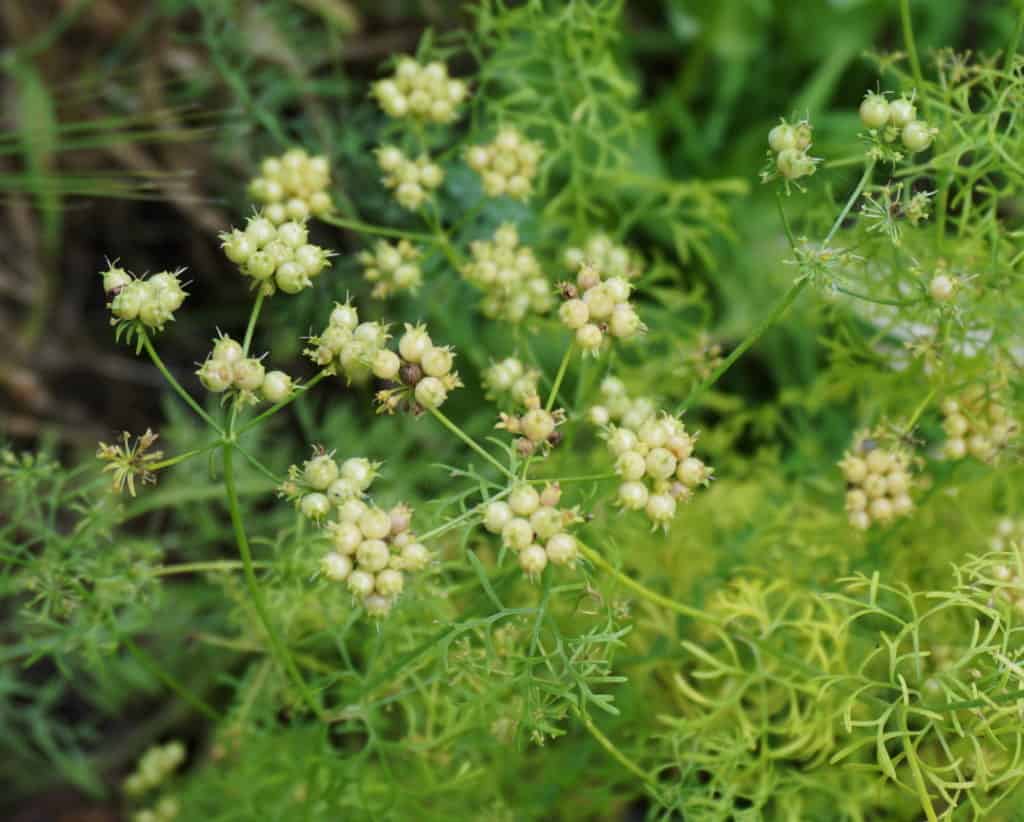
<point x="211" y="566"/>
<point x="617" y="754"/>
<point x="251" y="326"/>
<point x="651" y="596"/>
<point x="557" y="384"/>
<point x="468" y="440"/>
<point x="146" y="660"/>
<point x="278" y="647"/>
<point x="368" y="228"/>
<point x="299" y="392"/>
<point x="908" y="41"/>
<point x="181" y="392"/>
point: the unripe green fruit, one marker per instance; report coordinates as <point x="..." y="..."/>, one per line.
<point x="277" y="386"/>
<point x="782" y="137"/>
<point x="902" y="112"/>
<point x="320" y="472"/>
<point x="248" y="374"/>
<point x="315" y="506"/>
<point x="874" y="111"/>
<point x="916" y="136"/>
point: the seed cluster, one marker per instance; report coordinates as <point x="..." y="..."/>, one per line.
<point x="392" y="268"/>
<point x="347" y="345"/>
<point x="227" y="367"/>
<point x="896" y="120"/>
<point x="423" y="92"/>
<point x="152" y="301"/>
<point x="533" y="526"/>
<point x="536" y="426"/>
<point x="978" y="424"/>
<point x="656" y="463"/>
<point x="878" y="482"/>
<point x="790" y="144"/>
<point x="370" y="548"/>
<point x="510" y="277"/>
<point x="509" y="380"/>
<point x="155" y="766"/>
<point x="293" y="186"/>
<point x="411" y="180"/>
<point x="420" y="373"/>
<point x="166" y="809"/>
<point x="508" y="165"/>
<point x="605" y="255"/>
<point x="275" y="256"/>
<point x="596" y="307"/>
<point x="617" y="406"/>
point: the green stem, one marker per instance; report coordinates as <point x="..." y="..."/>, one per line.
<point x="645" y="592"/>
<point x="785" y="220"/>
<point x="919" y="411"/>
<point x="251" y="326"/>
<point x="780" y="308"/>
<point x="910" y="750"/>
<point x="562" y="368"/>
<point x="449" y="251"/>
<point x="618" y="755"/>
<point x="383" y="231"/>
<point x="465" y="515"/>
<point x="877" y="300"/>
<point x="151" y="665"/>
<point x="259" y="466"/>
<point x="1011" y="50"/>
<point x="279" y="649"/>
<point x="468" y="440"/>
<point x="202" y="567"/>
<point x="908" y="42"/>
<point x="195" y="452"/>
<point x="300" y="391"/>
<point x="583" y="478"/>
<point x="784" y="303"/>
<point x="148" y="345"/>
<point x="869" y="167"/>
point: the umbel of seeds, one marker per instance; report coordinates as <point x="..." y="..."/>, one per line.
<point x="293" y="186"/>
<point x="790" y="143"/>
<point x="152" y="300"/>
<point x="275" y="256"/>
<point x="532" y="526"/>
<point x="371" y="549"/>
<point x="597" y="308"/>
<point x="392" y="267"/>
<point x="412" y="181"/>
<point x="896" y="120"/>
<point x="422" y="92"/>
<point x="978" y="423"/>
<point x="605" y="255"/>
<point x="348" y="346"/>
<point x="228" y="367"/>
<point x="536" y="426"/>
<point x="507" y="166"/>
<point x="617" y="406"/>
<point x="878" y="482"/>
<point x="510" y="381"/>
<point x="420" y="374"/>
<point x="656" y="464"/>
<point x="509" y="276"/>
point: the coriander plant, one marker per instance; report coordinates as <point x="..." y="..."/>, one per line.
<point x="474" y="513"/>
